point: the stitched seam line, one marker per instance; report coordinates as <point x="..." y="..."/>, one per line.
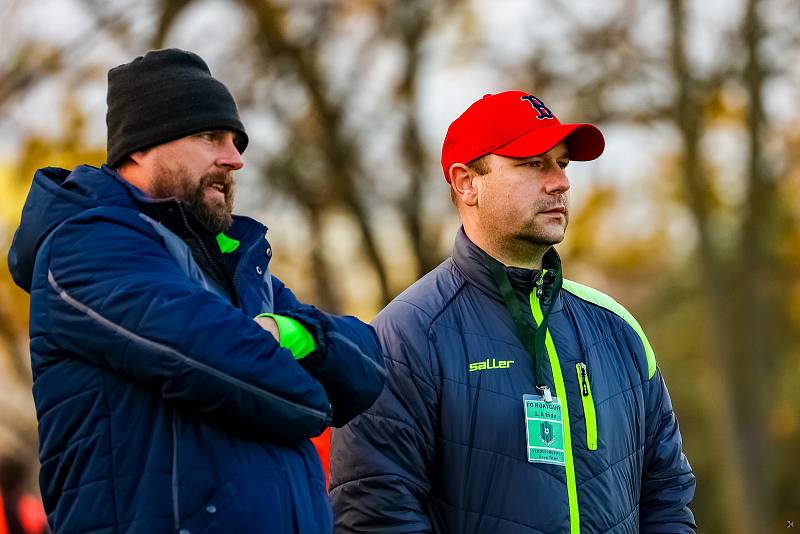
<point x="482" y="514"/>
<point x="71" y="398"/>
<point x="402" y="423"/>
<point x="516" y="459"/>
<point x="111" y="453"/>
<point x="667" y="415"/>
<point x="618" y="523"/>
<point x="355" y="348"/>
<point x="358" y="480"/>
<point x="176" y="518"/>
<point x="611" y="466"/>
<point x="621" y="318"/>
<point x="411" y="371"/>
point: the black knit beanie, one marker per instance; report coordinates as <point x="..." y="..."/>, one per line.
<point x="162" y="96"/>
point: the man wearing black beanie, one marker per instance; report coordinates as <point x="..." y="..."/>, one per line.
<point x="177" y="382"/>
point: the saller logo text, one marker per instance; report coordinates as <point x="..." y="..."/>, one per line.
<point x="487" y="364"/>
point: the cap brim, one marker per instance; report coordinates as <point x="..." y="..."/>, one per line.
<point x="584" y="141"/>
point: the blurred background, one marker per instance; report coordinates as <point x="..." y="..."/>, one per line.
<point x="691" y="218"/>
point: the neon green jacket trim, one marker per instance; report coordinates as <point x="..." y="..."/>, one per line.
<point x="604" y="301"/>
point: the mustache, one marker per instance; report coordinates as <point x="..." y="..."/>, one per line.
<point x="224" y="178"/>
<point x="560" y="202"/>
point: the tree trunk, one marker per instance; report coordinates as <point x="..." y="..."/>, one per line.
<point x="758" y="268"/>
<point x="720" y="397"/>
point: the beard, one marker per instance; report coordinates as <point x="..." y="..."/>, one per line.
<point x="214" y="214"/>
<point x="541" y="230"/>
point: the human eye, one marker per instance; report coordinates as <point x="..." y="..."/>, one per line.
<point x="208" y="136"/>
<point x="534" y="163"/>
<point x="563" y="164"/>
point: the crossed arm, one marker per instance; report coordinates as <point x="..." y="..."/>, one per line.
<point x="107" y="288"/>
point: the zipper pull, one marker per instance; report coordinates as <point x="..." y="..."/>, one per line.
<point x="584" y="387"/>
<point x="548" y="397"/>
<point x="539" y="283"/>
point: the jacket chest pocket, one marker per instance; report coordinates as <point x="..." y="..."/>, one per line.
<point x="613" y="407"/>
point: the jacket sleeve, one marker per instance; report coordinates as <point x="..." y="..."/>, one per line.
<point x="380" y="461"/>
<point x="347" y="360"/>
<point x="668" y="483"/>
<point x="118" y="300"/>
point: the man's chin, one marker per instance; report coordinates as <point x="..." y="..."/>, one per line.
<point x="217" y="225"/>
<point x="545" y="239"/>
<point x="216" y="218"/>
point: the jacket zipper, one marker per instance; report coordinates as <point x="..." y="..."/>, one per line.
<point x="588" y="406"/>
<point x="220" y="272"/>
<point x="561" y="393"/>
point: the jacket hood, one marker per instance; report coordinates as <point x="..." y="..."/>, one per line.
<point x="55" y="196"/>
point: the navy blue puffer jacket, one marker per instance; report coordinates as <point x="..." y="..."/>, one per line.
<point x="162" y="406"/>
<point x="444" y="448"/>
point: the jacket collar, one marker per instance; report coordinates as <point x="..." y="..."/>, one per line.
<point x="475" y="264"/>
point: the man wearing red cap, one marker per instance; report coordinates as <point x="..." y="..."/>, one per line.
<point x="517" y="401"/>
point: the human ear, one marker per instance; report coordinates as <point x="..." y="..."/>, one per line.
<point x="462" y="182"/>
<point x="138" y="157"/>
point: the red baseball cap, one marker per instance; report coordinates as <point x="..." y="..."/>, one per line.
<point x="518" y="125"/>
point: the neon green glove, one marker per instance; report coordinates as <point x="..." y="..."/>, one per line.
<point x="294" y="335"/>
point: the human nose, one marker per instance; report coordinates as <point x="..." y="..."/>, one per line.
<point x="557" y="182"/>
<point x="229" y="156"/>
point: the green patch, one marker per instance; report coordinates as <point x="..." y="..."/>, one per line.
<point x="226" y="244"/>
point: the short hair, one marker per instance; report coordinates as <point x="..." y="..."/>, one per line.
<point x="479" y="166"/>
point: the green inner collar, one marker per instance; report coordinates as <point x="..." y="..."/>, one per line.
<point x="226" y="244"/>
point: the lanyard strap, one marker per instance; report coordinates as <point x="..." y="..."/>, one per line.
<point x="548" y="286"/>
<point x="532" y="338"/>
